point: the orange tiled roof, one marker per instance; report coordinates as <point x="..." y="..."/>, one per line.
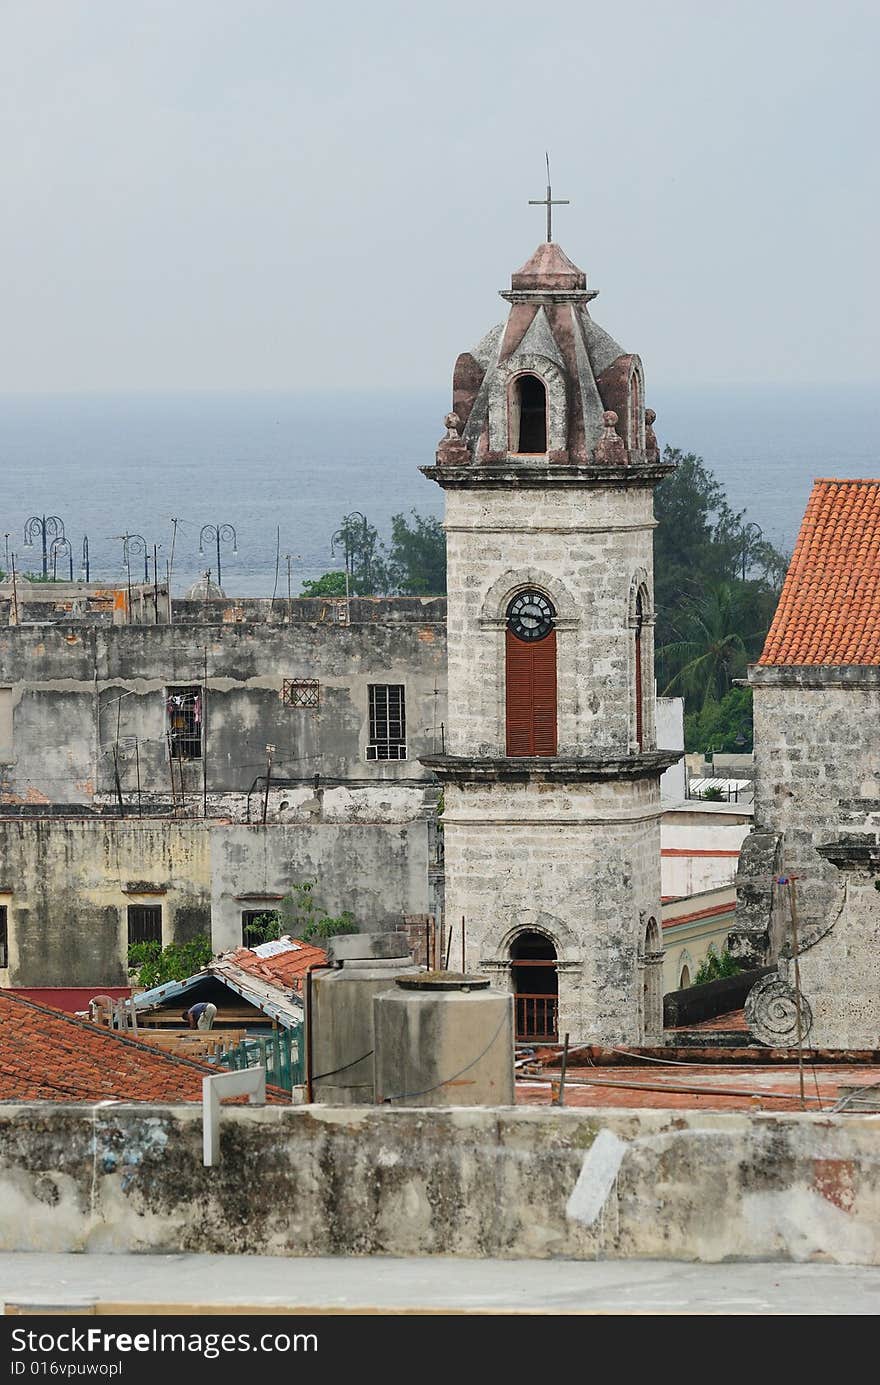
<point x="285" y="969"/>
<point x="829" y="610"/>
<point x="47" y="1055"/>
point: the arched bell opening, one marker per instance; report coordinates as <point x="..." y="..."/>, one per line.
<point x="528" y="415"/>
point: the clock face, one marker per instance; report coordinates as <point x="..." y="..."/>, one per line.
<point x="530" y="616"/>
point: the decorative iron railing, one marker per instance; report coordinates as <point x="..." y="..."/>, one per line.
<point x="537" y="1018"/>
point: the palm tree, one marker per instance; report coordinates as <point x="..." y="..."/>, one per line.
<point x="714" y="647"/>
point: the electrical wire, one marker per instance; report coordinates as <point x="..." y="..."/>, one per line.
<point x="406" y="1096"/>
<point x="319" y="1076"/>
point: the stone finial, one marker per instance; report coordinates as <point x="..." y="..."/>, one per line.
<point x="610" y="450"/>
<point x="452" y="449"/>
<point x="452" y="423"/>
<point x="652" y="450"/>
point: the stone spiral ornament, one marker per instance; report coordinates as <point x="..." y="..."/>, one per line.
<point x="771" y="1013"/>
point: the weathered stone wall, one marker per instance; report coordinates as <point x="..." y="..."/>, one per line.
<point x="67" y="883"/>
<point x="579" y="863"/>
<point x="817" y="767"/>
<point x="840" y="971"/>
<point x="585" y="548"/>
<point x="647" y="1184"/>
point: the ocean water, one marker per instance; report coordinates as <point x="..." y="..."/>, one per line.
<point x="107" y="465"/>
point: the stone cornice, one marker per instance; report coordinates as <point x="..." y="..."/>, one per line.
<point x="814" y="676"/>
<point x="537" y="769"/>
<point x="548" y="295"/>
<point x="545" y="475"/>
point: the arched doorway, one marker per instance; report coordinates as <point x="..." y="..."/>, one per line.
<point x="536" y="987"/>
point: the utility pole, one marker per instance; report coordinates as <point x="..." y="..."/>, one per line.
<point x="797" y="986"/>
<point x="14" y="592"/>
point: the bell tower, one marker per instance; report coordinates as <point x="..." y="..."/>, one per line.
<point x="551" y="780"/>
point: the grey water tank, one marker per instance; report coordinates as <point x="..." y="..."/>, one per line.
<point x="342" y="1013"/>
<point x="444" y="1039"/>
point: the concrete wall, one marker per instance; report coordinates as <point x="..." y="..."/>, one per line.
<point x="376" y="870"/>
<point x="700" y="845"/>
<point x="669" y="713"/>
<point x="67" y="883"/>
<point x="343" y="1181"/>
<point x="840" y="972"/>
<point x="817" y="767"/>
<point x="79" y="691"/>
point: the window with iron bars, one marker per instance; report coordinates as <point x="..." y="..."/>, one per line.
<point x="299" y="692"/>
<point x="185" y="712"/>
<point x="145" y="923"/>
<point x="387" y="722"/>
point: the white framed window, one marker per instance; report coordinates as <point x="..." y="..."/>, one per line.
<point x="387" y="722"/>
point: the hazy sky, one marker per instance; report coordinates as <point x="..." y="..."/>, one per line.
<point x="248" y="194"/>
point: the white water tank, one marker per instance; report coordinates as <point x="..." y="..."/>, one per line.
<point x="444" y="1039"/>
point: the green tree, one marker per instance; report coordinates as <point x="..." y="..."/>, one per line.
<point x="330" y="584"/>
<point x="359" y="543"/>
<point x="299" y="915"/>
<point x="714" y="967"/>
<point x="417" y="558"/>
<point x="155" y="965"/>
<point x="724" y="726"/>
<point x="699" y="542"/>
<point x="715" y="647"/>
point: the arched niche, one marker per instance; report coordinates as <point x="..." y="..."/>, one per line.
<point x="503" y="390"/>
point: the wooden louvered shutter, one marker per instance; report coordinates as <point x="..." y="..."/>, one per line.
<point x="531" y="696"/>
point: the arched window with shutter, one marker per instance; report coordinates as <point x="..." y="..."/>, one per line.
<point x="531" y="675"/>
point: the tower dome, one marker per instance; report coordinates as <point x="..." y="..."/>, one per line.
<point x="205" y="590"/>
<point x="541" y="384"/>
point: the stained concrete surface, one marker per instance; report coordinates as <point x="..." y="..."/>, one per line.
<point x="384" y="1285"/>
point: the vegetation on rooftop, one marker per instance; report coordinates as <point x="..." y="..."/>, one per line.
<point x="715" y="966"/>
<point x="156" y="964"/>
<point x="299" y="915"/>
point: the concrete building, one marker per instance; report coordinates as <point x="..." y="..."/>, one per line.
<point x="816" y="693"/>
<point x="551" y="772"/>
<point x="694" y="928"/>
<point x="175" y="779"/>
<point x="700" y="845"/>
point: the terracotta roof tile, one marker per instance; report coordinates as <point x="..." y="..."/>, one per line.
<point x="48" y="1055"/>
<point x="285" y="969"/>
<point x="829" y="610"/>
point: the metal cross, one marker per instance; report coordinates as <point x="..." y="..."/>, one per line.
<point x="548" y="202"/>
